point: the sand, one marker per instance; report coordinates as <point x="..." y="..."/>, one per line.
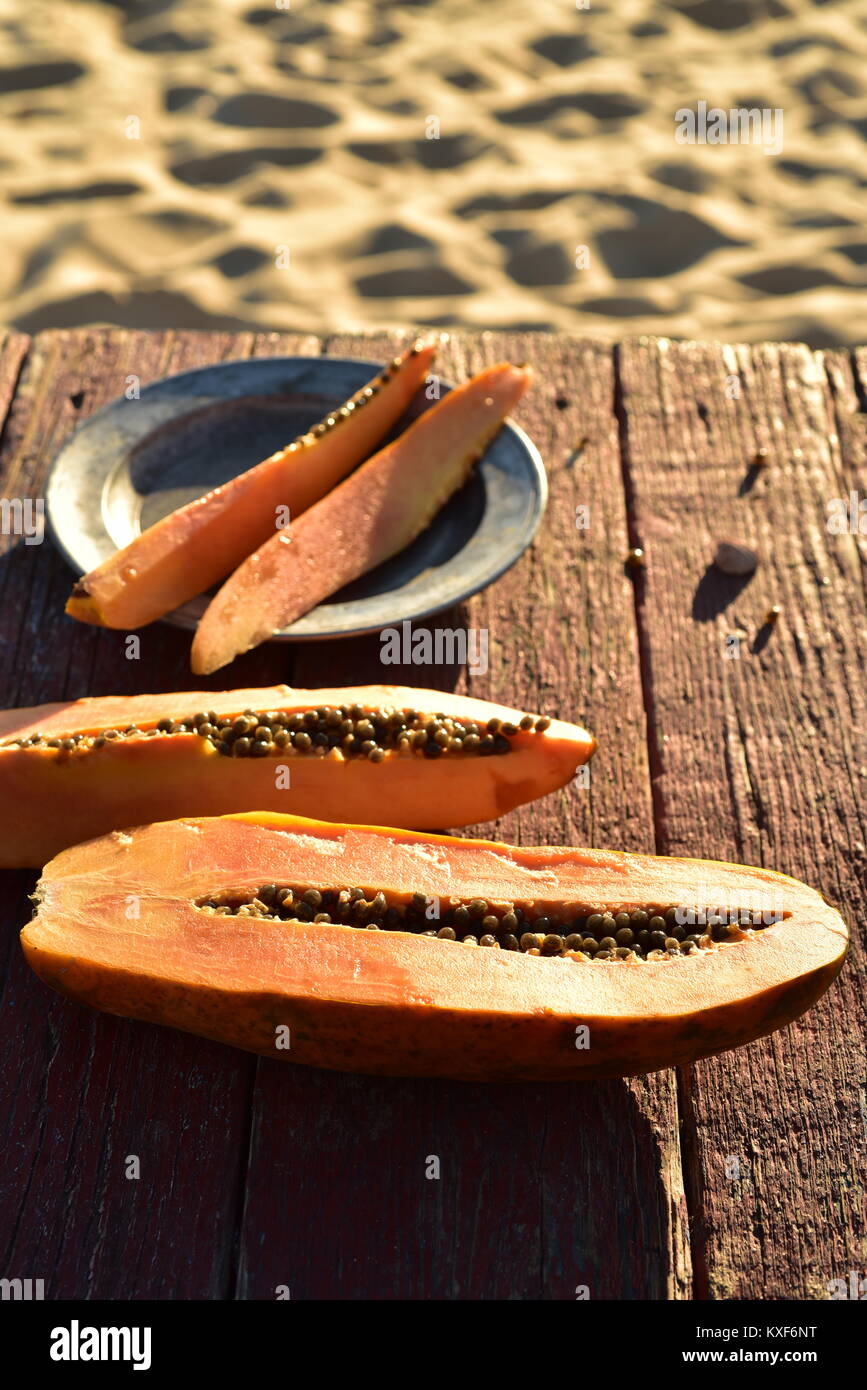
<point x="221" y="163"/>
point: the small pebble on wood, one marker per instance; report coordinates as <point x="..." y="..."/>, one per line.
<point x="733" y="558"/>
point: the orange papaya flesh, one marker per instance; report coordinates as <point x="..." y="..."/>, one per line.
<point x="193" y="547"/>
<point x="368" y="518"/>
<point x="69" y="772"/>
<point x="398" y="1002"/>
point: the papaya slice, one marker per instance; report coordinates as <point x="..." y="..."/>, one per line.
<point x="72" y="771"/>
<point x="195" y="546"/>
<point x="379" y="950"/>
<point x="372" y="515"/>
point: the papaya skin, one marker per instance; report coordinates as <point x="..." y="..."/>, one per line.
<point x="396" y="1003"/>
<point x="51" y="799"/>
<point x="195" y="546"/>
<point x="369" y="517"/>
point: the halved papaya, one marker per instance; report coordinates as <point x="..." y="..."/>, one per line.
<point x="192" y="548"/>
<point x="360" y="524"/>
<point x="423" y="758"/>
<point x="377" y="950"/>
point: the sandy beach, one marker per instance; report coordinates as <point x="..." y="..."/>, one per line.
<point x="223" y="164"/>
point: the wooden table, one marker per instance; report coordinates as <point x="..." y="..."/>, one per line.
<point x="740" y="1177"/>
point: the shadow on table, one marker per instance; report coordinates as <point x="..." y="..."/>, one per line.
<point x="376" y="1188"/>
<point x="715" y="591"/>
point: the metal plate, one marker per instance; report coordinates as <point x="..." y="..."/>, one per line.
<point x="136" y="460"/>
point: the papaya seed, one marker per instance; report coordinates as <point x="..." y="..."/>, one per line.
<point x="560" y="933"/>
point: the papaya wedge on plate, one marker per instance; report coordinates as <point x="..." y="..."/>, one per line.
<point x="365" y="520"/>
<point x="193" y="547"/>
<point x="379" y="950"/>
<point x="425" y="759"/>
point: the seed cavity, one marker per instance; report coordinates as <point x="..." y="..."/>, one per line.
<point x="348" y="730"/>
<point x="333" y="419"/>
<point x="575" y="932"/>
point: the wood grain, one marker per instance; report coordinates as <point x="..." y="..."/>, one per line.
<point x="760" y="758"/>
<point x="338" y="1202"/>
<point x="86" y="1092"/>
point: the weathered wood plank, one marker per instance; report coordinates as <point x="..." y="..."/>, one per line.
<point x="338" y="1204"/>
<point x="13" y="352"/>
<point x="760" y="758"/>
<point x="90" y="1091"/>
<point x="847" y="375"/>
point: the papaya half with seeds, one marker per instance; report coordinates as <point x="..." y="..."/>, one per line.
<point x="193" y="547"/>
<point x="369" y="517"/>
<point x="420" y="758"/>
<point x="379" y="950"/>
